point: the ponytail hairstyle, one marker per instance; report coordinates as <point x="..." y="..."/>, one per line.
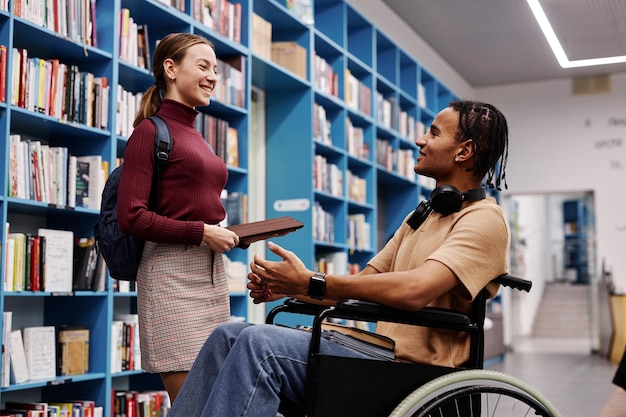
<point x="486" y="126"/>
<point x="174" y="46"/>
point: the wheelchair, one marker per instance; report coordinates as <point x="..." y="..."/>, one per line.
<point x="351" y="387"/>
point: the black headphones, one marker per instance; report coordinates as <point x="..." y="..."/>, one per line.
<point x="445" y="200"/>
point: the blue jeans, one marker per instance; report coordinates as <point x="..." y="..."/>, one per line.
<point x="244" y="370"/>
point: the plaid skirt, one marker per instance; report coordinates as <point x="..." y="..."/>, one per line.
<point x="182" y="295"/>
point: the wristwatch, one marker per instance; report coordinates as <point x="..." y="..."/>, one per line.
<point x="317" y="286"/>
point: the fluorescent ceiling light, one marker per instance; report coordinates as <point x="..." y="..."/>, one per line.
<point x="557" y="49"/>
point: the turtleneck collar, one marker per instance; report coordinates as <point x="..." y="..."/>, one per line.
<point x="178" y="111"/>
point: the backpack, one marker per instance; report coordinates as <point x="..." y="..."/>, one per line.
<point x="122" y="253"/>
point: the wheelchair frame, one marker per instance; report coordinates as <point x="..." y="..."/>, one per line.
<point x="328" y="394"/>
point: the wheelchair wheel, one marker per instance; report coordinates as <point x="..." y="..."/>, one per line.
<point x="474" y="393"/>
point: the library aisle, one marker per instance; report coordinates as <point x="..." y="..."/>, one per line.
<point x="577" y="382"/>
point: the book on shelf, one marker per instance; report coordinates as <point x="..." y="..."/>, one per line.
<point x="126" y="403"/>
<point x="81" y="183"/>
<point x="95" y="182"/>
<point x="132" y="351"/>
<point x="261" y="37"/>
<point x="117" y="346"/>
<point x="63" y="409"/>
<point x="34" y="278"/>
<point x="232" y="147"/>
<point x="72" y="177"/>
<point x="20" y="241"/>
<point x="40" y="349"/>
<point x="143" y="47"/>
<point x="58" y="260"/>
<point x="30" y="408"/>
<point x="85" y="263"/>
<point x="264" y="229"/>
<point x="19" y="365"/>
<point x="236" y="205"/>
<point x="73" y="357"/>
<point x="100" y="276"/>
<point x="3" y="74"/>
<point x="7" y="327"/>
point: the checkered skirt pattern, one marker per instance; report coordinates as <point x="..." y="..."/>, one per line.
<point x="182" y="295"/>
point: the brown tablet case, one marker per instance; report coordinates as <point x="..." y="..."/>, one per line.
<point x="264" y="229"/>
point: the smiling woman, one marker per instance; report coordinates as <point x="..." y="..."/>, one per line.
<point x="182" y="290"/>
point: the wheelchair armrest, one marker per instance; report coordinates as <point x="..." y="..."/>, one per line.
<point x="292" y="305"/>
<point x="514" y="282"/>
<point x="366" y="310"/>
<point x="427" y="316"/>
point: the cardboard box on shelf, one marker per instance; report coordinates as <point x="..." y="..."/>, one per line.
<point x="291" y="56"/>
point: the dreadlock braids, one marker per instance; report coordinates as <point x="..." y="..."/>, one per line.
<point x="486" y="126"/>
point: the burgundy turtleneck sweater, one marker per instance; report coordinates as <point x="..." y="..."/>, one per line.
<point x="189" y="186"/>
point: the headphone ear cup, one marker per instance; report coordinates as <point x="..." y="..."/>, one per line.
<point x="446" y="200"/>
<point x="419" y="215"/>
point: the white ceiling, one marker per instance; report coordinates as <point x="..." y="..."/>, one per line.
<point x="495" y="42"/>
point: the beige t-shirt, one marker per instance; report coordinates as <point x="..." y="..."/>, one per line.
<point x="474" y="244"/>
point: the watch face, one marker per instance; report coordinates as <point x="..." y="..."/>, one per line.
<point x="317" y="286"/>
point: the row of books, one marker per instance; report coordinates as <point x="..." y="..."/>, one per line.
<point x="231" y="85"/>
<point x="359" y="232"/>
<point x="41" y="353"/>
<point x="52" y="261"/>
<point x="177" y="4"/>
<point x="261" y="39"/>
<point x="356" y="187"/>
<point x="72" y="19"/>
<point x="134" y="43"/>
<point x="357" y="94"/>
<point x="125" y="348"/>
<point x="139" y="403"/>
<point x="400" y="161"/>
<point x="392" y="117"/>
<point x="63" y="91"/>
<point x="355" y="139"/>
<point x="323" y="224"/>
<point x="127" y="106"/>
<point x="49" y="174"/>
<point x="73" y="408"/>
<point x="223" y="138"/>
<point x="303" y="9"/>
<point x="327" y="177"/>
<point x="335" y="263"/>
<point x="222" y="16"/>
<point x="324" y="77"/>
<point x="321" y="125"/>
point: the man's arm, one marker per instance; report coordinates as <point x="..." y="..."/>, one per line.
<point x="410" y="290"/>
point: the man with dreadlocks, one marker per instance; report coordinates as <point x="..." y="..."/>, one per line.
<point x="443" y="255"/>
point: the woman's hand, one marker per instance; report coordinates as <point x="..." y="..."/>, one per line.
<point x="219" y="238"/>
<point x="286" y="277"/>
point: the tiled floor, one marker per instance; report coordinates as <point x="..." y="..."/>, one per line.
<point x="577" y="382"/>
